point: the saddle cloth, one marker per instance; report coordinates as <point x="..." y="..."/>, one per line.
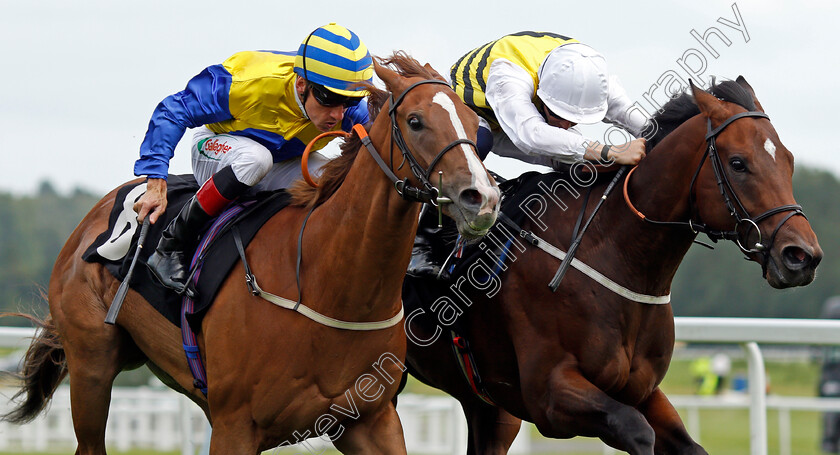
<point x="115" y="247"/>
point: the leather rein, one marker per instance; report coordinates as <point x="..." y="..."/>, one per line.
<point x="736" y="208"/>
<point x="428" y="193"/>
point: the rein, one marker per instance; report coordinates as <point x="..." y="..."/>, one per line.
<point x="739" y="212"/>
<point x="429" y="193"/>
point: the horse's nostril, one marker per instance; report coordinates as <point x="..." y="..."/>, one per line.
<point x="470" y="198"/>
<point x="796" y="258"/>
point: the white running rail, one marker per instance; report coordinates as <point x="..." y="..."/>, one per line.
<point x="435" y="425"/>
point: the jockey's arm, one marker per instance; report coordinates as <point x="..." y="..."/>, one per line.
<point x="509" y="92"/>
<point x="203" y="101"/>
<point x="621" y="112"/>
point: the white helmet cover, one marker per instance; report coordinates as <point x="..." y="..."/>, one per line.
<point x="573" y="83"/>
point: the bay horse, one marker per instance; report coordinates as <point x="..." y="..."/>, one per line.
<point x="586" y="361"/>
<point x="275" y="377"/>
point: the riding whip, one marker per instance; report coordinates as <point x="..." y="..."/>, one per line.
<point x="567" y="261"/>
<point x="111" y="317"/>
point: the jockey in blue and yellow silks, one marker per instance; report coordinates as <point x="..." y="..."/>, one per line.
<point x="232" y="98"/>
<point x="254" y="115"/>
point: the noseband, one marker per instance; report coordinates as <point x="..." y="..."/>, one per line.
<point x="428" y="193"/>
<point x="736" y="209"/>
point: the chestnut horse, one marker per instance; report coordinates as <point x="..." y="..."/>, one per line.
<point x="274" y="376"/>
<point x="586" y="361"/>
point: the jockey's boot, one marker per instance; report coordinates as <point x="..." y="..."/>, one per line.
<point x="169" y="263"/>
<point x="424" y="262"/>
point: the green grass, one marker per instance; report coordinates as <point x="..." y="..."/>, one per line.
<point x="726" y="432"/>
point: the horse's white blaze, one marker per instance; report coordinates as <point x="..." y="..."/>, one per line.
<point x="770" y="147"/>
<point x="480" y="179"/>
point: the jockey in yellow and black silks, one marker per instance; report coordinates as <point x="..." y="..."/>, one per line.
<point x="530" y="90"/>
<point x="254" y="115"/>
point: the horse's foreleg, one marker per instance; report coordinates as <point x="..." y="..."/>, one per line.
<point x="491" y="429"/>
<point x="671" y="435"/>
<point x="573" y="406"/>
<point x="378" y="433"/>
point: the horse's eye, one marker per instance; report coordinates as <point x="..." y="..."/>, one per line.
<point x="738" y="165"/>
<point x="415" y="123"/>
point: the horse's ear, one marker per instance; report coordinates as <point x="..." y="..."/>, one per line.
<point x="746" y="86"/>
<point x="709" y="105"/>
<point x="434" y="73"/>
<point x="392" y="80"/>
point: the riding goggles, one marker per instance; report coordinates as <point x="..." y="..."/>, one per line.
<point x="328" y="98"/>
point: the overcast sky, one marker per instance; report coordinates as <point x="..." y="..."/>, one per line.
<point x="80" y="79"/>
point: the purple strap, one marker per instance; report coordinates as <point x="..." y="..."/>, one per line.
<point x="187" y="305"/>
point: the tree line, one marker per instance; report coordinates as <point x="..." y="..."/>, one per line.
<point x="709" y="283"/>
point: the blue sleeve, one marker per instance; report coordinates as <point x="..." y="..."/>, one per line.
<point x="356" y="114"/>
<point x="204" y="100"/>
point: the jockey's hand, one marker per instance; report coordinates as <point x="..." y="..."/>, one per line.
<point x="152" y="202"/>
<point x="630" y="153"/>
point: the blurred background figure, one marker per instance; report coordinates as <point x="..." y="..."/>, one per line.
<point x="830" y="381"/>
<point x="710" y="373"/>
<point x="721" y="366"/>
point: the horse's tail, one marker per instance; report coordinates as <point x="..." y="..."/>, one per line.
<point x="44" y="366"/>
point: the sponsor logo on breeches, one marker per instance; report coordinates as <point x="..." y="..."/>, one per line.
<point x="213" y="148"/>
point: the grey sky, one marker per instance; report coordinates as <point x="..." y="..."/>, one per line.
<point x="80" y="79"/>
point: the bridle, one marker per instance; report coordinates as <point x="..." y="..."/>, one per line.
<point x="736" y="209"/>
<point x="428" y="193"/>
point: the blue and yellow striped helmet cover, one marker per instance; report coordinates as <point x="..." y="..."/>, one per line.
<point x="335" y="58"/>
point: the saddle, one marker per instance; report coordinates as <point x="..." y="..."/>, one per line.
<point x="216" y="254"/>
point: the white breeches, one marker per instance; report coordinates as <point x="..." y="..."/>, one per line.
<point x="251" y="161"/>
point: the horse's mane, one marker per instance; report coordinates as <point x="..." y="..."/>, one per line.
<point x="335" y="171"/>
<point x="681" y="108"/>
